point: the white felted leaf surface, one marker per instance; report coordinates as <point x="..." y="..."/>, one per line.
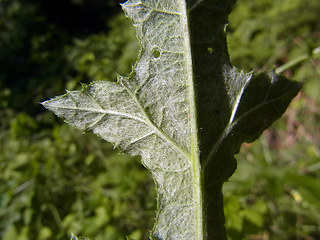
<point x="184" y="109"/>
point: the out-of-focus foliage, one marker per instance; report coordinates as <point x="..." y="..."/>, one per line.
<point x="275" y="192"/>
<point x="268" y="33"/>
<point x="55" y="180"/>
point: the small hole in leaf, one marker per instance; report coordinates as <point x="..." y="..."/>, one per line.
<point x="156" y="53"/>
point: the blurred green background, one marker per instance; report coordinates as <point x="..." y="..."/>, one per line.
<point x="55" y="180"/>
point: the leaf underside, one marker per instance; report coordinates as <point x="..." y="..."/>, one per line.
<point x="184" y="109"/>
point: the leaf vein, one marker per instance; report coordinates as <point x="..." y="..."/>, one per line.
<point x="160" y="133"/>
<point x="230" y="126"/>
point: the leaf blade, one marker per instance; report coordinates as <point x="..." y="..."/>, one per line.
<point x="179" y="110"/>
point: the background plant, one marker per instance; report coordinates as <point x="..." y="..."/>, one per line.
<point x="275" y="189"/>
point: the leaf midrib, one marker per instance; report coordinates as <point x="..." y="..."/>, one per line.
<point x="195" y="154"/>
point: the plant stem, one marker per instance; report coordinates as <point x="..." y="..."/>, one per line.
<point x="195" y="155"/>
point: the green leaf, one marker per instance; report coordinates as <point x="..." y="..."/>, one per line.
<point x="184" y="109"/>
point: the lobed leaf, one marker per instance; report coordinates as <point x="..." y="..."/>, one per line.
<point x="184" y="109"/>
